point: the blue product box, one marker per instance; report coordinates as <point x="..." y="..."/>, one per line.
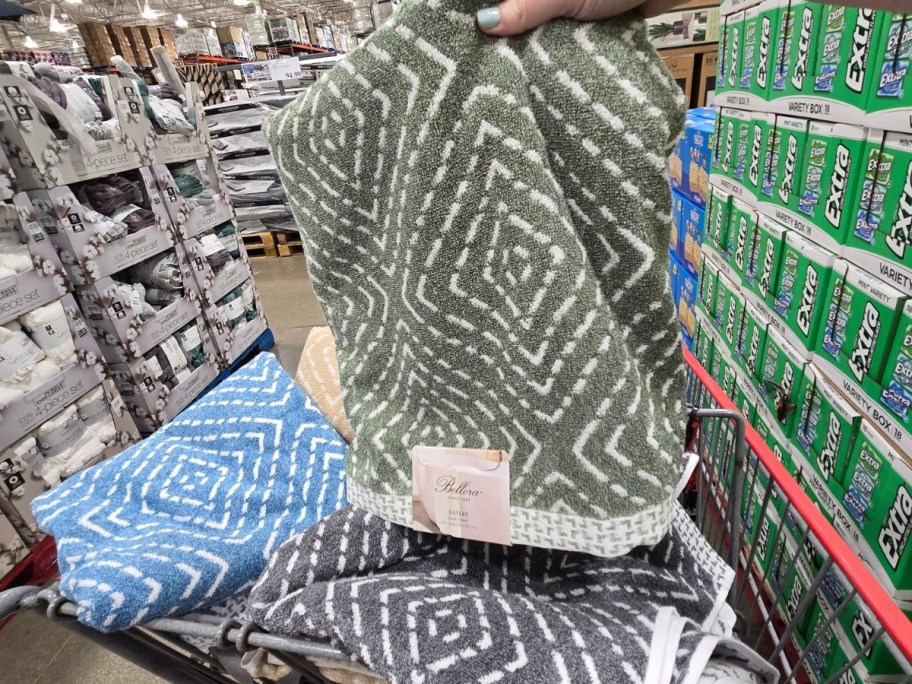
<point x="687" y="306"/>
<point x="674" y="275"/>
<point x="693" y="221"/>
<point x="675" y="241"/>
<point x="695" y="152"/>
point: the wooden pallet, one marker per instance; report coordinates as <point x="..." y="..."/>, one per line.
<point x="260" y="244"/>
<point x="289" y="244"/>
<point x="272" y="244"/>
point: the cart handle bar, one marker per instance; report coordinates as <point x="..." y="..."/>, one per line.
<point x="896" y="624"/>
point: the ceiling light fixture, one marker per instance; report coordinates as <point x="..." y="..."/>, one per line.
<point x="75" y="44"/>
<point x="180" y="22"/>
<point x="74" y="2"/>
<point x="212" y="24"/>
<point x="148" y="12"/>
<point x="241" y="3"/>
<point x="30" y="42"/>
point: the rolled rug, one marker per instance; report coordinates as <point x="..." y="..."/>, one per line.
<point x="504" y="204"/>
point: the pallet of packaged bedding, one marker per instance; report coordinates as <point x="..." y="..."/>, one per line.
<point x="165" y="129"/>
<point x="93" y="428"/>
<point x="74" y="150"/>
<point x="121" y="221"/>
<point x="162" y="382"/>
<point x="49" y="360"/>
<point x="136" y="309"/>
<point x="30" y="270"/>
<point x="194" y="194"/>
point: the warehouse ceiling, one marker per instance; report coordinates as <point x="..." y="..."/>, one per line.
<point x="129" y="13"/>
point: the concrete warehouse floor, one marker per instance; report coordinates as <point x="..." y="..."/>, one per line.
<point x="34" y="650"/>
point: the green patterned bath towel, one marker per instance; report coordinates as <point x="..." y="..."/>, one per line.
<point x="485" y="222"/>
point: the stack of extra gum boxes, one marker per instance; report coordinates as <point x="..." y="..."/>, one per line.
<point x="804" y="297"/>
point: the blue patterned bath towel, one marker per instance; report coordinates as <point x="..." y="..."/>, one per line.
<point x="190" y="515"/>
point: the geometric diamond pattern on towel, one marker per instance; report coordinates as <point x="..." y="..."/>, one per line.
<point x="483" y="221"/>
<point x="191" y="514"/>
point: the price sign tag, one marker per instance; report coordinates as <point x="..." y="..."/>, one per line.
<point x="283" y="69"/>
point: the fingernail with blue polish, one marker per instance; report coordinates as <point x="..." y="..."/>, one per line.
<point x="489" y="17"/>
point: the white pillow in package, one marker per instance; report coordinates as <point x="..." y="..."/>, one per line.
<point x="49" y="329"/>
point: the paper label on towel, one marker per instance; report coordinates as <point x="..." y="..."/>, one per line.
<point x="464" y="493"/>
<point x="16" y="354"/>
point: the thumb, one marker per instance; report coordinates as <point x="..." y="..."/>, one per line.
<point x="512" y="17"/>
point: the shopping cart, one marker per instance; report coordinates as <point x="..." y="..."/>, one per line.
<point x="797" y="581"/>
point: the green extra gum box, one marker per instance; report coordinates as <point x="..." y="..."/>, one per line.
<point x="880" y="240"/>
<point x="803" y="24"/>
<point x="751" y="341"/>
<point x="826" y="427"/>
<point x="718" y="211"/>
<point x="745" y="33"/>
<point x="862" y="316"/>
<point x="762" y="130"/>
<point x="737" y="130"/>
<point x="740" y="239"/>
<point x="728" y="69"/>
<point x="842" y="79"/>
<point x="890" y="97"/>
<point x="706" y="287"/>
<point x="878" y="507"/>
<point x="800" y="293"/>
<point x="834" y="166"/>
<point x="785" y="163"/>
<point x="780" y="376"/>
<point x="769" y="246"/>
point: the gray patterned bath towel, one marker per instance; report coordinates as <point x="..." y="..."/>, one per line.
<point x="415" y="607"/>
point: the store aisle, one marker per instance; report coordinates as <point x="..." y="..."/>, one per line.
<point x="34" y="650"/>
<point x="291" y="307"/>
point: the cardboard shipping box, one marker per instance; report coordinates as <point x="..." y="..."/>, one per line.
<point x="682" y="70"/>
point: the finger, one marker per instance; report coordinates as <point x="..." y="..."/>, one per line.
<point x="653" y="8"/>
<point x="512" y="17"/>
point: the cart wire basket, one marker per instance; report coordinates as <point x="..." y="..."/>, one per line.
<point x="803" y="598"/>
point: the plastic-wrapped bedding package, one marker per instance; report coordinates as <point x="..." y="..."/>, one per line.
<point x="49" y="328"/>
<point x="231" y="308"/>
<point x="166" y="115"/>
<point x="214" y="250"/>
<point x="116" y="197"/>
<point x="14" y="253"/>
<point x="247" y="115"/>
<point x="66" y="444"/>
<point x="228" y="235"/>
<point x="24" y="366"/>
<point x="253" y="165"/>
<point x="191" y="342"/>
<point x="161" y="271"/>
<point x="242" y="141"/>
<point x="248" y="299"/>
<point x="193" y="183"/>
<point x="261" y="212"/>
<point x="81" y="103"/>
<point x="134" y="294"/>
<point x="245" y="192"/>
<point x="95" y="412"/>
